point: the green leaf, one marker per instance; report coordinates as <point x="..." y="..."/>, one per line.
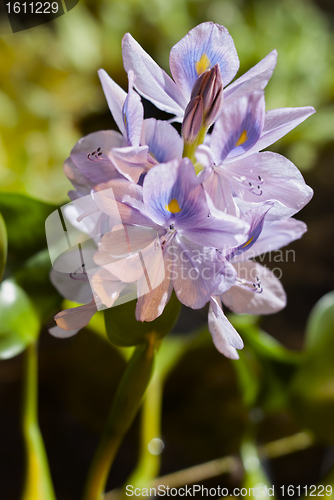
<point x="25" y="221"/>
<point x="19" y="324"/>
<point x="124" y="330"/>
<point x="312" y="388"/>
<point x="265" y="366"/>
<point x="320" y="324"/>
<point x="3" y="246"/>
<point x="250" y="373"/>
<point x="34" y="277"/>
<point x="263" y="344"/>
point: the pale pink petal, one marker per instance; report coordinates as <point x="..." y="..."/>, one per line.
<point x="130" y="161"/>
<point x="271" y="299"/>
<point x="152" y="304"/>
<point x="106" y="287"/>
<point x="225" y="338"/>
<point x="77" y="317"/>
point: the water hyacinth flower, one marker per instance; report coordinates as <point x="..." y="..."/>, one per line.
<point x="256" y="289"/>
<point x="148" y="142"/>
<point x="201" y="49"/>
<point x="213" y="201"/>
<point x="242" y="130"/>
<point x="172" y="201"/>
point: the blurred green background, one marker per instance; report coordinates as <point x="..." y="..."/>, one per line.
<point x="50" y="96"/>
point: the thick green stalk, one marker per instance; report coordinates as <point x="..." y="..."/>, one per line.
<point x="3" y="246"/>
<point x="38" y="483"/>
<point x="123" y="411"/>
<point x="149" y="463"/>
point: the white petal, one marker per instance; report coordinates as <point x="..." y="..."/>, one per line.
<point x="151" y="81"/>
<point x="224" y="336"/>
<point x="272" y="298"/>
<point x="115" y="96"/>
<point x="106" y="287"/>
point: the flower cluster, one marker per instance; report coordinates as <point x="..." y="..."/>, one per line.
<point x="184" y="213"/>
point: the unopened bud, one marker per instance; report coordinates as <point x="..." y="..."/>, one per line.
<point x="209" y="86"/>
<point x="193" y="119"/>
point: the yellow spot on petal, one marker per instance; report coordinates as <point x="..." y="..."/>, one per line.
<point x="173" y="207"/>
<point x="242" y="139"/>
<point x="202" y="64"/>
<point x="125" y="120"/>
<point x="248" y="242"/>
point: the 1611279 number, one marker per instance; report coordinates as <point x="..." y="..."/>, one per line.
<point x="32" y="8"/>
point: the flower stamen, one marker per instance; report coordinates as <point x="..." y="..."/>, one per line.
<point x="250" y="286"/>
<point x="95" y="155"/>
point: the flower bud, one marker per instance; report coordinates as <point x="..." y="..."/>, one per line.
<point x="193" y="119"/>
<point x="209" y="86"/>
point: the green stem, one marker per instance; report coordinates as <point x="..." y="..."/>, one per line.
<point x="123" y="411"/>
<point x="149" y="464"/>
<point x="38" y="483"/>
<point x="190" y="147"/>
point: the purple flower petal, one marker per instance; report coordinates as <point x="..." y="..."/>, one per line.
<point x="173" y="194"/>
<point x="224" y="335"/>
<point x="96" y="167"/>
<point x="255" y="217"/>
<point x="152" y="262"/>
<point x="163" y="140"/>
<point x="217" y="187"/>
<point x="278" y="122"/>
<point x="131" y="254"/>
<point x="133" y="114"/>
<point x="254" y="79"/>
<point x="81" y="184"/>
<point x="106" y="287"/>
<point x="130" y="161"/>
<point x="270" y="300"/>
<point x="195" y="273"/>
<point x="151" y="81"/>
<point x="58" y="332"/>
<point x="76" y="317"/>
<point x="152" y="304"/>
<point x="128" y="269"/>
<point x="204" y="156"/>
<point x="239" y="127"/>
<point x="122" y="201"/>
<point x="219" y="233"/>
<point x="274" y="235"/>
<point x="268" y="176"/>
<point x="72" y="288"/>
<point x="202" y="48"/>
<point x="115" y="96"/>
